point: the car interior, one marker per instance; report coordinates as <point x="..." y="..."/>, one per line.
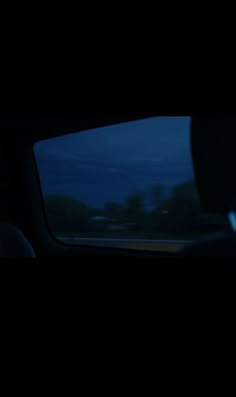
<point x="213" y="153"/>
<point x="24" y="231"/>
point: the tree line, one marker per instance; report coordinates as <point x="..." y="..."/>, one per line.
<point x="179" y="212"/>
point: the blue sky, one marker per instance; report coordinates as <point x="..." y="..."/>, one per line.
<point x="107" y="164"/>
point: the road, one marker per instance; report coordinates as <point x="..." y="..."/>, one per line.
<point x="138" y="244"/>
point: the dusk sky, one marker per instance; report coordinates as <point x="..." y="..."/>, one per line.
<point x="108" y="164"/>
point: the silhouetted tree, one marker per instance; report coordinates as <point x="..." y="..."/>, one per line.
<point x="113" y="210"/>
<point x="181" y="211"/>
<point x="66" y="214"/>
<point x="134" y="212"/>
<point x="157" y="195"/>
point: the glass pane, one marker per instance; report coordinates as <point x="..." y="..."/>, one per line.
<point x="129" y="185"/>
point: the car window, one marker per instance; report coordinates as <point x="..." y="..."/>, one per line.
<point x="129" y="185"/>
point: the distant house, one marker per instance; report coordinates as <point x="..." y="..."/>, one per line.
<point x="103" y="222"/>
<point x="115" y="228"/>
<point x="99" y="218"/>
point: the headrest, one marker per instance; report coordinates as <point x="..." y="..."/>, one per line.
<point x="13" y="243"/>
<point x="214" y="158"/>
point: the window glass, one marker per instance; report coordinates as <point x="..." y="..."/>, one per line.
<point x="129" y="185"/>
